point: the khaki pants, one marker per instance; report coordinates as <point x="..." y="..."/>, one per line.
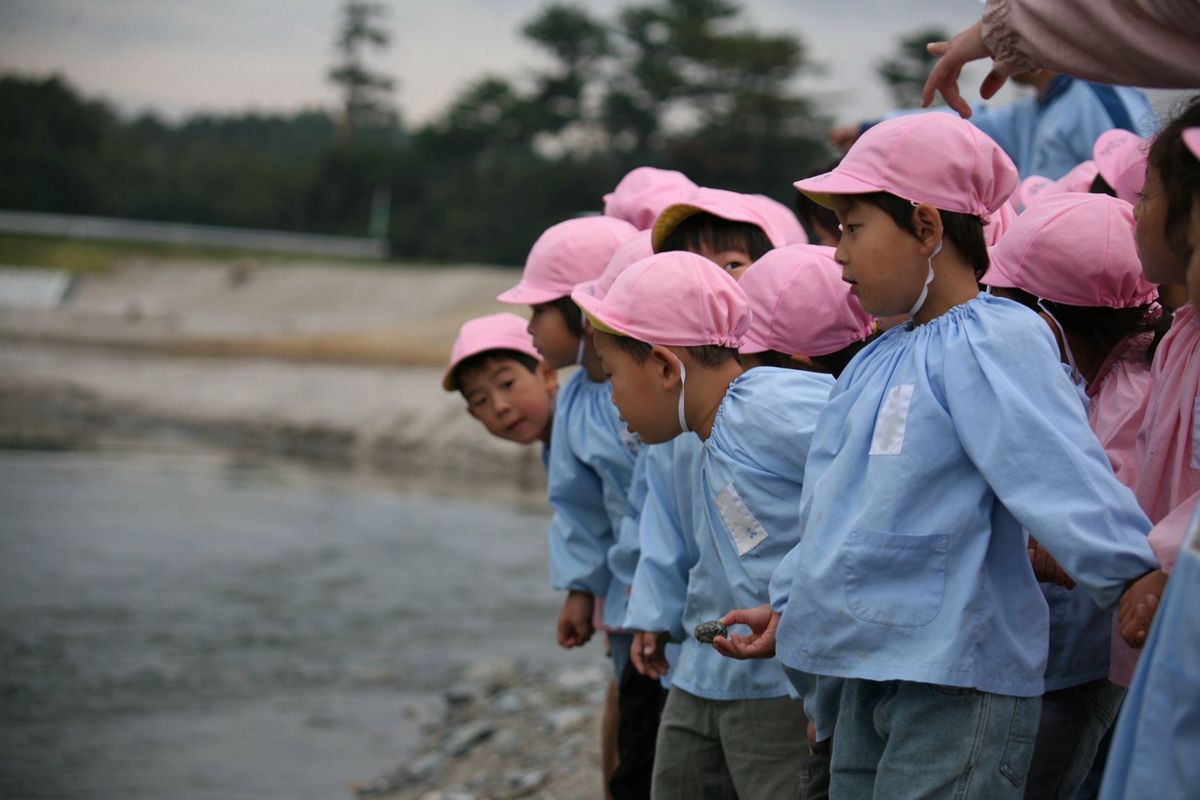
<point x="744" y="749"/>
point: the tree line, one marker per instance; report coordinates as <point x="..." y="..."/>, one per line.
<point x="679" y="84"/>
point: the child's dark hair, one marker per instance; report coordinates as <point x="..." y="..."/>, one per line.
<point x="479" y="361"/>
<point x="832" y="363"/>
<point x="1179" y="171"/>
<point x="812" y="213"/>
<point x="707" y="355"/>
<point x="571" y="314"/>
<point x="1107" y="327"/>
<point x="964" y="231"/>
<point x="1101" y="186"/>
<point x="708" y="230"/>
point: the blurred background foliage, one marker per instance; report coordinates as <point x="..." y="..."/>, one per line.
<point x="680" y="84"/>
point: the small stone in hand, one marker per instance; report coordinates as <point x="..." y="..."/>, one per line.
<point x="707" y="631"/>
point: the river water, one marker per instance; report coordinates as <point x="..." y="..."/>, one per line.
<point x="194" y="626"/>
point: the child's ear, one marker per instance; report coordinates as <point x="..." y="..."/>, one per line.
<point x="666" y="365"/>
<point x="549" y="377"/>
<point x="927" y="222"/>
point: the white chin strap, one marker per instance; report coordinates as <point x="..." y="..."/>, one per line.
<point x="683" y="426"/>
<point x="582" y="338"/>
<point x="912" y="312"/>
<point x="1076" y="375"/>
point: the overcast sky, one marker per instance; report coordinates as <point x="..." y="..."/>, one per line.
<point x="180" y="56"/>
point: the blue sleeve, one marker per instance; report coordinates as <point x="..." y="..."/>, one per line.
<point x="580" y="531"/>
<point x="1022" y="426"/>
<point x="660" y="583"/>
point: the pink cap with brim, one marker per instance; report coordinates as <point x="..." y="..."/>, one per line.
<point x="565" y="255"/>
<point x="503" y="331"/>
<point x="799" y="304"/>
<point x="627" y="254"/>
<point x="999" y="223"/>
<point x="677" y="299"/>
<point x="1191" y="138"/>
<point x="781" y="218"/>
<point x="1036" y="189"/>
<point x="1120" y="157"/>
<point x="733" y="206"/>
<point x="643" y="194"/>
<point x="1076" y="249"/>
<point x="936" y="158"/>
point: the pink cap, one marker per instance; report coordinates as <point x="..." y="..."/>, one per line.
<point x="566" y="254"/>
<point x="781" y="218"/>
<point x="503" y="331"/>
<point x="1121" y="160"/>
<point x="934" y="158"/>
<point x="1000" y="222"/>
<point x="721" y="203"/>
<point x="1073" y="248"/>
<point x="1037" y="188"/>
<point x="627" y="254"/>
<point x="800" y="304"/>
<point x="1191" y="137"/>
<point x="676" y="298"/>
<point x="643" y="194"/>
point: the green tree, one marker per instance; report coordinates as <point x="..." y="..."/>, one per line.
<point x="366" y="94"/>
<point x="905" y="71"/>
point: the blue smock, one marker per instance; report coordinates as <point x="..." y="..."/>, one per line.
<point x="1156" y="745"/>
<point x="940" y="443"/>
<point x="733" y="517"/>
<point x="1051" y="135"/>
<point x="592" y="458"/>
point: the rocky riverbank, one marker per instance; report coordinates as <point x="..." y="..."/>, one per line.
<point x="508" y="732"/>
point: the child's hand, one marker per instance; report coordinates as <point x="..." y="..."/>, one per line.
<point x="575" y="619"/>
<point x="648" y="653"/>
<point x="1045" y="568"/>
<point x="762" y="622"/>
<point x="1138" y="605"/>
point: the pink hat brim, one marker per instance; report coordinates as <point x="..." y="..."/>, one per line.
<point x="592" y="306"/>
<point x="822" y="188"/>
<point x="995" y="276"/>
<point x="525" y="295"/>
<point x="751" y="345"/>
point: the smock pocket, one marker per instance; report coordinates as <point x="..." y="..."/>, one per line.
<point x="895" y="578"/>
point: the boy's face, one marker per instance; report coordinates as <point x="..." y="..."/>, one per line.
<point x="881" y="262"/>
<point x="511" y="402"/>
<point x="1160" y="264"/>
<point x="643" y="392"/>
<point x="551" y="336"/>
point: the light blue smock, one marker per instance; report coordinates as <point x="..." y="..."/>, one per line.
<point x="1052" y="135"/>
<point x="1080" y="631"/>
<point x="592" y="457"/>
<point x="1156" y="744"/>
<point x="939" y="443"/>
<point x="733" y="518"/>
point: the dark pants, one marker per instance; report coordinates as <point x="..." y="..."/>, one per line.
<point x="639" y="704"/>
<point x="1073" y="722"/>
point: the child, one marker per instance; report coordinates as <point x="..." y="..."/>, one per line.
<point x="728" y="729"/>
<point x="727" y="228"/>
<point x="941" y="441"/>
<point x="1169" y="481"/>
<point x="500" y="374"/>
<point x="1072" y="259"/>
<point x="1156" y="740"/>
<point x="644" y="192"/>
<point x="592" y="458"/>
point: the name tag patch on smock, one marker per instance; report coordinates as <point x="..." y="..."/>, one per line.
<point x="892" y="422"/>
<point x="746" y="531"/>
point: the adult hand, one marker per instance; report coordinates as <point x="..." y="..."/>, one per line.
<point x="762" y="622"/>
<point x="965" y="47"/>
<point x="843" y="136"/>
